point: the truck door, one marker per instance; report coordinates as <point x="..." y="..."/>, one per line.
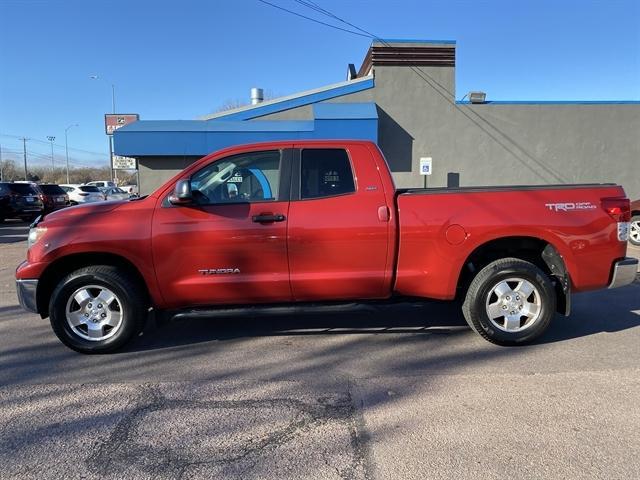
<point x="228" y="246"/>
<point x="338" y="225"/>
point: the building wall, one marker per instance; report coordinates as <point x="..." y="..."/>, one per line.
<point x="499" y="144"/>
<point x="155" y="171"/>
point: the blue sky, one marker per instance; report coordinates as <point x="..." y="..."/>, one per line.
<point x="181" y="59"/>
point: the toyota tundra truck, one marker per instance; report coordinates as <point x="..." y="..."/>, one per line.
<point x="303" y="224"/>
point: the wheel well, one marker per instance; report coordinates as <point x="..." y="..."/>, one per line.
<point x="635" y="212"/>
<point x="65" y="265"/>
<point x="539" y="252"/>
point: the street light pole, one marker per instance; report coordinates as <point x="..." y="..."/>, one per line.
<point x="66" y="146"/>
<point x="113" y="110"/>
<point x="52" y="139"/>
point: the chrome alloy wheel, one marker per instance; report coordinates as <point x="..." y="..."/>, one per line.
<point x="513" y="305"/>
<point x="634" y="232"/>
<point x="94" y="313"/>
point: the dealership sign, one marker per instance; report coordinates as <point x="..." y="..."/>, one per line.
<point x="113" y="121"/>
<point x="124" y="163"/>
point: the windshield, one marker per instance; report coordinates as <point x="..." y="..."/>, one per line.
<point x="89" y="188"/>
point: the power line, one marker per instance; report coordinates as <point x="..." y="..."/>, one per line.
<point x="91" y="152"/>
<point x="311" y="19"/>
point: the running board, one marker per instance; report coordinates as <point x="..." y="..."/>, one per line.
<point x="286" y="309"/>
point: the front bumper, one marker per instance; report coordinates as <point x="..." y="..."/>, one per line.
<point x="27" y="294"/>
<point x="624" y="272"/>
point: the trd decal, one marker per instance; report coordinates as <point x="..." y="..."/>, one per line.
<point x="567" y="207"/>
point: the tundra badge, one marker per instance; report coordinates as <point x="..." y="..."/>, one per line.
<point x="217" y="271"/>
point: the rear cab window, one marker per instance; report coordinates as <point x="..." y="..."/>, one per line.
<point x="325" y="173"/>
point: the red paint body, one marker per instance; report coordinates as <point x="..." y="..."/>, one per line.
<point x="370" y="244"/>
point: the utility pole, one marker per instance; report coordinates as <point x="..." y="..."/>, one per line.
<point x="1" y="166"/>
<point x="52" y="139"/>
<point x="24" y="151"/>
<point x="66" y="146"/>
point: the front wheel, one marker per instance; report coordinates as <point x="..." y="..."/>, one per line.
<point x="97" y="309"/>
<point x="634" y="231"/>
<point x="510" y="302"/>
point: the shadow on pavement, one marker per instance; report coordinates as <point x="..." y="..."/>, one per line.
<point x="13" y="231"/>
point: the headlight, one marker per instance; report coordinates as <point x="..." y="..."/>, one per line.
<point x="35" y="234"/>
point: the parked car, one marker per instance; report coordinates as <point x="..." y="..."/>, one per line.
<point x="634" y="228"/>
<point x="53" y="197"/>
<point x="102" y="184"/>
<point x="310" y="222"/>
<point x="79" y="194"/>
<point x="132" y="190"/>
<point x="115" y="193"/>
<point x="19" y="200"/>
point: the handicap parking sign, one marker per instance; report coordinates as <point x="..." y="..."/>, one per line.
<point x="425" y="165"/>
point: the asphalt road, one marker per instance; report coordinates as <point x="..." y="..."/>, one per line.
<point x="398" y="393"/>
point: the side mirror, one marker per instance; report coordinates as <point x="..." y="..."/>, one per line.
<point x="181" y="193"/>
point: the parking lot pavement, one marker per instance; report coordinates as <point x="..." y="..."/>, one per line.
<point x="395" y="393"/>
<point x="13" y="231"/>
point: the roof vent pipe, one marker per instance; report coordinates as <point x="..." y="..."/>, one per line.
<point x="257" y="96"/>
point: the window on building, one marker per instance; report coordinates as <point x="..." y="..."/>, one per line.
<point x="252" y="177"/>
<point x="325" y="173"/>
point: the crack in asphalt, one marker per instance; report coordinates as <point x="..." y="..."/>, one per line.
<point x="124" y="449"/>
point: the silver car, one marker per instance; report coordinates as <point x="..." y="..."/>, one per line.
<point x="115" y="193"/>
<point x="79" y="194"/>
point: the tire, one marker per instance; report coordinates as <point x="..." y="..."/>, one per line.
<point x="634" y="231"/>
<point x="527" y="314"/>
<point x="97" y="323"/>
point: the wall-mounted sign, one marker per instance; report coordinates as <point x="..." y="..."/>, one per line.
<point x="113" y="121"/>
<point x="124" y="163"/>
<point x="425" y="165"/>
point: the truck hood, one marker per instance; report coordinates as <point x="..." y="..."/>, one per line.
<point x="71" y="213"/>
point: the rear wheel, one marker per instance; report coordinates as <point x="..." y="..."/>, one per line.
<point x="510" y="302"/>
<point x="634" y="230"/>
<point x="97" y="309"/>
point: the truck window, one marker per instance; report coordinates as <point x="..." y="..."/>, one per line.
<point x="249" y="177"/>
<point x="325" y="173"/>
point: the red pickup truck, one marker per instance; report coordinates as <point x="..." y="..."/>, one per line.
<point x="302" y="223"/>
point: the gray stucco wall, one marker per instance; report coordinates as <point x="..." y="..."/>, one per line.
<point x="154" y="171"/>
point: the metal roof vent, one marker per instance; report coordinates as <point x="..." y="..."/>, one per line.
<point x="477" y="97"/>
<point x="257" y="96"/>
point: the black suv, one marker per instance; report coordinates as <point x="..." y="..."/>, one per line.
<point x="19" y="200"/>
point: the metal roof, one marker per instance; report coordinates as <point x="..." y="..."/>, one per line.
<point x="296" y="100"/>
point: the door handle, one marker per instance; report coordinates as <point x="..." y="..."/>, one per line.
<point x="383" y="213"/>
<point x="269" y="217"/>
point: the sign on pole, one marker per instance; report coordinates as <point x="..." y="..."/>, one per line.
<point x="124" y="163"/>
<point x="425" y="165"/>
<point x="113" y="121"/>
